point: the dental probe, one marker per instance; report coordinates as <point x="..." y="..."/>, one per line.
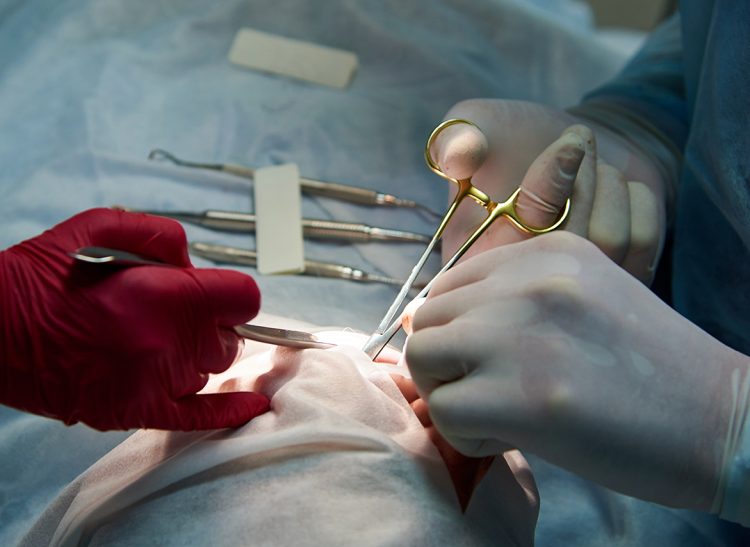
<point x="231" y="221"/>
<point x="335" y="190"/>
<point x="244" y="257"/>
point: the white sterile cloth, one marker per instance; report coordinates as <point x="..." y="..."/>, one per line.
<point x="341" y="459"/>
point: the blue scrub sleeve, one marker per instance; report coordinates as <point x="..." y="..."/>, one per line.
<point x="650" y="104"/>
<point x="651" y="87"/>
<point x="646" y="102"/>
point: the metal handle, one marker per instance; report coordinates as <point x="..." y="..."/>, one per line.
<point x="245" y="257"/>
<point x="231" y="221"/>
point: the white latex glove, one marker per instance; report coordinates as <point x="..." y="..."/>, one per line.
<point x="550" y="347"/>
<point x="621" y="194"/>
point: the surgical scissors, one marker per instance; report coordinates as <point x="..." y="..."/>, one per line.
<point x="390" y="324"/>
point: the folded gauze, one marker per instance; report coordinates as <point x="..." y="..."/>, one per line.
<point x="341" y="459"/>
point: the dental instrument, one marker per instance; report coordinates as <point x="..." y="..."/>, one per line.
<point x="335" y="190"/>
<point x="281" y="337"/>
<point x="268" y="335"/>
<point x="390" y="324"/>
<point x="225" y="254"/>
<point x="116" y="257"/>
<point x="312" y="228"/>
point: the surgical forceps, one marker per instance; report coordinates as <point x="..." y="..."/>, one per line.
<point x="389" y="326"/>
<point x="259" y="333"/>
<point x="335" y="190"/>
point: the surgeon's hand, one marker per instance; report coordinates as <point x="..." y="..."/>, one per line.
<point x="119" y="348"/>
<point x="548" y="346"/>
<point x="620" y="198"/>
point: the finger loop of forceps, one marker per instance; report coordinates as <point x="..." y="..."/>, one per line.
<point x="391" y="323"/>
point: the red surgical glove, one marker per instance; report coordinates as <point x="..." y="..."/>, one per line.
<point x="118" y="348"/>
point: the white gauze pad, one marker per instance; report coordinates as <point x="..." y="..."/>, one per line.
<point x="293" y="58"/>
<point x="278" y="230"/>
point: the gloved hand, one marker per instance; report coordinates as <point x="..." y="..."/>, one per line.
<point x="621" y="195"/>
<point x="120" y="348"/>
<point x="548" y="346"/>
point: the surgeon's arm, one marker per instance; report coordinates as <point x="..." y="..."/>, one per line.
<point x="646" y="104"/>
<point x="120" y="348"/>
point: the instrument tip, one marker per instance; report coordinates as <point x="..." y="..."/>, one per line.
<point x="159" y="154"/>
